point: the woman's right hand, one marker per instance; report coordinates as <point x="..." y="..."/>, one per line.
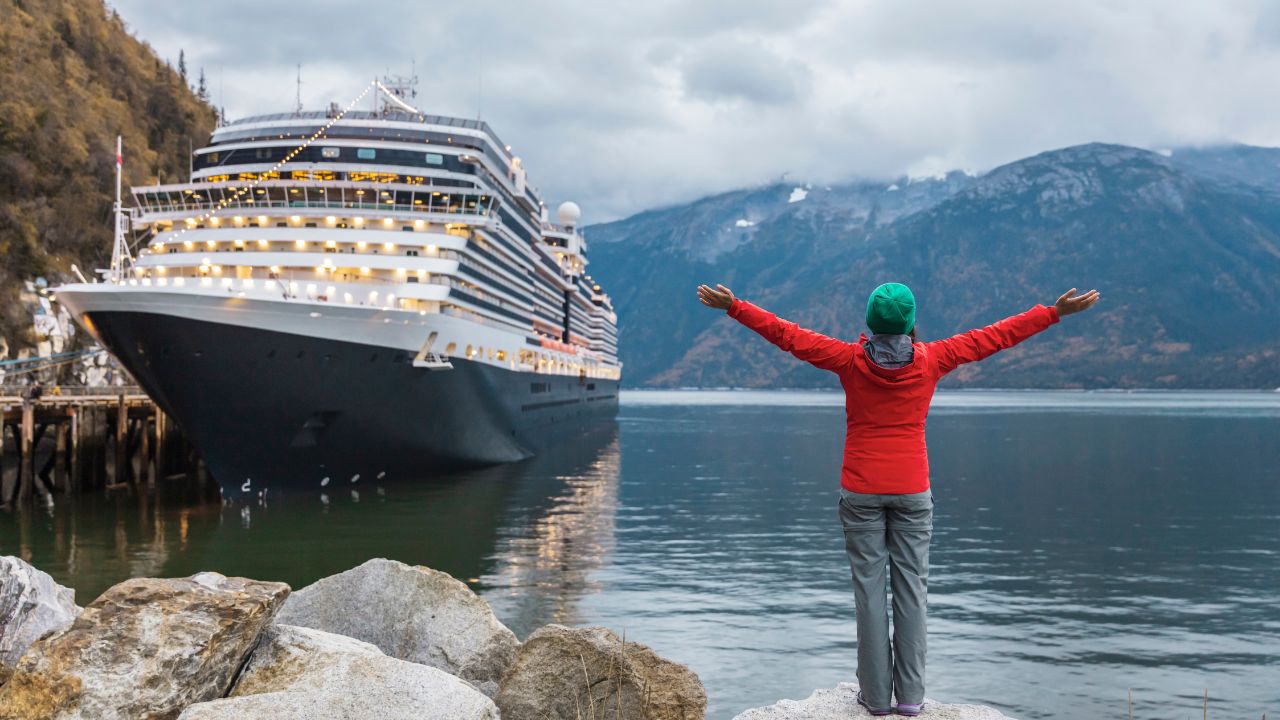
<point x="1068" y="305"/>
<point x="720" y="298"/>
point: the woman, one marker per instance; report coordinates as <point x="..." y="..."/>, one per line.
<point x="885" y="504"/>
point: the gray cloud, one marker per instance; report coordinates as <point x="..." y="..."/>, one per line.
<point x="730" y="70"/>
<point x="627" y="105"/>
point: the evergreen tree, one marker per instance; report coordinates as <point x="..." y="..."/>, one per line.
<point x="182" y="66"/>
<point x="202" y="89"/>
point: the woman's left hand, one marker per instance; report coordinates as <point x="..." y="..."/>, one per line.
<point x="720" y="298"/>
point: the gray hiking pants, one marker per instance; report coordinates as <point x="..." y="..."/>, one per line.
<point x="887" y="538"/>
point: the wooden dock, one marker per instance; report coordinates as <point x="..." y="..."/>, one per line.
<point x="77" y="439"/>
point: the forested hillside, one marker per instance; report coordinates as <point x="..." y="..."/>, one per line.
<point x="71" y="79"/>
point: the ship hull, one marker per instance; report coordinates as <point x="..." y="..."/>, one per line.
<point x="270" y="409"/>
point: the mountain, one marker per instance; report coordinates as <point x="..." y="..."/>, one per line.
<point x="1184" y="246"/>
<point x="71" y="79"/>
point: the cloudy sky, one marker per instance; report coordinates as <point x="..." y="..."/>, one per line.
<point x="625" y="105"/>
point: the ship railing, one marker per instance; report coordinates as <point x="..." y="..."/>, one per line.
<point x="338" y="195"/>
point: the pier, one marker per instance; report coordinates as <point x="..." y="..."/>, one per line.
<point x="74" y="439"/>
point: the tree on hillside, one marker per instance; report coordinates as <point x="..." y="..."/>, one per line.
<point x="202" y="88"/>
<point x="182" y="66"/>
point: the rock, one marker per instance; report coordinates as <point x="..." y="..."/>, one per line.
<point x="32" y="605"/>
<point x="303" y="673"/>
<point x="840" y="703"/>
<point x="146" y="648"/>
<point x="589" y="672"/>
<point x="410" y="613"/>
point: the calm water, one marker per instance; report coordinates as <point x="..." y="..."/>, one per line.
<point x="1086" y="543"/>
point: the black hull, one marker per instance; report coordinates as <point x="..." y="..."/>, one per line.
<point x="270" y="409"/>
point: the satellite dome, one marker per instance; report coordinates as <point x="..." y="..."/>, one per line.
<point x="569" y="212"/>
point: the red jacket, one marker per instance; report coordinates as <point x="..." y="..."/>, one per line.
<point x="884" y="450"/>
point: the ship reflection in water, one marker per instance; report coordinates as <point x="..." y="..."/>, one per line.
<point x="526" y="535"/>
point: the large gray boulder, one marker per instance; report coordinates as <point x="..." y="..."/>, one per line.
<point x="410" y="613"/>
<point x="146" y="648"/>
<point x="840" y="703"/>
<point x="590" y="672"/>
<point x="299" y="673"/>
<point x="32" y="605"/>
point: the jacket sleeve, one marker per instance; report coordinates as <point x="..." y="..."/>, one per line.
<point x="984" y="342"/>
<point x="812" y="347"/>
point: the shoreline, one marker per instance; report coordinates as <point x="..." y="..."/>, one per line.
<point x="383" y="639"/>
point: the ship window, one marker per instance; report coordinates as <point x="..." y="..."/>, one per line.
<point x="262" y="153"/>
<point x="311" y="224"/>
<point x="411" y="278"/>
<point x="413" y="253"/>
<point x="366" y="153"/>
<point x="450" y="349"/>
<point x="432" y="159"/>
<point x="328" y="152"/>
<point x="213" y="157"/>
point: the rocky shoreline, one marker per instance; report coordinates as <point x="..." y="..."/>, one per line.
<point x="382" y="640"/>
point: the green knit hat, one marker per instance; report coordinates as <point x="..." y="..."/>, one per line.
<point x="891" y="309"/>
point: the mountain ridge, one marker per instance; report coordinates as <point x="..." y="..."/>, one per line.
<point x="1146" y="227"/>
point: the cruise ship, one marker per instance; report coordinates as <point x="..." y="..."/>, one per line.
<point x="341" y="296"/>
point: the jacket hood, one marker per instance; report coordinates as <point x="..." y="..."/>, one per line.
<point x="890" y="360"/>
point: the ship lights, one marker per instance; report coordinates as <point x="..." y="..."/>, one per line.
<point x="357" y="221"/>
<point x="239" y="243"/>
<point x="262" y="243"/>
<point x="364" y="270"/>
<point x="295" y="219"/>
<point x="331" y="220"/>
<point x="362" y="245"/>
<point x="386" y="222"/>
<point x="346" y="297"/>
<point x="238" y="220"/>
<point x="206" y="281"/>
<point x="187" y="244"/>
<point x="211" y="244"/>
<point x="388" y="246"/>
<point x="215" y="221"/>
<point x="431" y="249"/>
<point x="274" y="172"/>
<point x="331" y="244"/>
<point x="262" y="219"/>
<point x="300" y="244"/>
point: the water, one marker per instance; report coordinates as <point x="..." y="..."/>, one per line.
<point x="1085" y="544"/>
